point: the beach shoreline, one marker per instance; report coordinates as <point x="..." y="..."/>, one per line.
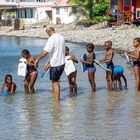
<point x="121" y="37"/>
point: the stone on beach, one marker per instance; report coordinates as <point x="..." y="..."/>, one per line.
<point x="121" y="37"/>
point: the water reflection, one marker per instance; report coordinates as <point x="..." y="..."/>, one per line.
<point x="103" y="115"/>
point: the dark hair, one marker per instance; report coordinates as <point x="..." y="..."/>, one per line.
<point x="8" y="76"/>
<point x="90" y="46"/>
<point x="67" y="48"/>
<point x="109" y="43"/>
<point x="26" y="52"/>
<point x="137" y="39"/>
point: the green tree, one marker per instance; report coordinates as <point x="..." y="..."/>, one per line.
<point x="86" y="6"/>
<point x="100" y="9"/>
<point x="94" y="10"/>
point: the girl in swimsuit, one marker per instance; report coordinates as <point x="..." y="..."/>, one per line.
<point x="136" y="61"/>
<point x="90" y="65"/>
<point x="32" y="72"/>
<point x="11" y="86"/>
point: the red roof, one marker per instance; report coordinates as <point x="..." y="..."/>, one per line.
<point x="62" y="2"/>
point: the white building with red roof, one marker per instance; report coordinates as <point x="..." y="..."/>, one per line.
<point x="63" y="12"/>
<point x="41" y="11"/>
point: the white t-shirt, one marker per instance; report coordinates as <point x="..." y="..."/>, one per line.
<point x="55" y="46"/>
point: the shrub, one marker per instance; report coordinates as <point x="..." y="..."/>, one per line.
<point x="102" y="18"/>
<point x="97" y="19"/>
<point x="87" y="22"/>
<point x="100" y="9"/>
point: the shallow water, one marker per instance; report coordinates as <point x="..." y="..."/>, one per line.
<point x="99" y="116"/>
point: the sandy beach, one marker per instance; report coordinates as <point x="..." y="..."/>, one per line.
<point x="121" y="37"/>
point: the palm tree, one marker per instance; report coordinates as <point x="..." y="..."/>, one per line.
<point x="86" y="7"/>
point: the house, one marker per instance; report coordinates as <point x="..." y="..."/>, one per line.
<point x="63" y="12"/>
<point x="40" y="11"/>
<point x="129" y="8"/>
<point x="35" y="12"/>
<point x="5" y="9"/>
<point x="56" y="12"/>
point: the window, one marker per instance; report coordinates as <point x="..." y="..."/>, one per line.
<point x="66" y="9"/>
<point x="138" y="14"/>
<point x="25" y="13"/>
<point x="29" y="13"/>
<point x="74" y="10"/>
<point x="114" y="2"/>
<point x="57" y="11"/>
<point x="127" y="3"/>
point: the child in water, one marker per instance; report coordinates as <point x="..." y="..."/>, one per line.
<point x="117" y="74"/>
<point x="136" y="61"/>
<point x="11" y="86"/>
<point x="90" y="65"/>
<point x="108" y="60"/>
<point x="72" y="75"/>
<point x="32" y="72"/>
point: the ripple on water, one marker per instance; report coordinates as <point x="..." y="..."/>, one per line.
<point x="99" y="116"/>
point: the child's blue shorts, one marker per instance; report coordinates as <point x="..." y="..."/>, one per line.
<point x="118" y="70"/>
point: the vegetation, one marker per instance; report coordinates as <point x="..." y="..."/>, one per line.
<point x="100" y="9"/>
<point x="94" y="12"/>
<point x="85" y="7"/>
<point x="10" y="14"/>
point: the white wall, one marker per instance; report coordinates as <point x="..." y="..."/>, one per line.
<point x="65" y="15"/>
<point x="39" y="16"/>
<point x="28" y="22"/>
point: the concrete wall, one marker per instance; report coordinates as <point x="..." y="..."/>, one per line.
<point x="65" y="15"/>
<point x="39" y="16"/>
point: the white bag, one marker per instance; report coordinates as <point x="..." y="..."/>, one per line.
<point x="22" y="67"/>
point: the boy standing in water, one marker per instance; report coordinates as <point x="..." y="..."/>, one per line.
<point x="136" y="61"/>
<point x="32" y="72"/>
<point x="108" y="60"/>
<point x="90" y="65"/>
<point x="70" y="59"/>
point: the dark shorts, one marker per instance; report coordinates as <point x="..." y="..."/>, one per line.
<point x="56" y="72"/>
<point x="110" y="65"/>
<point x="136" y="63"/>
<point x="72" y="75"/>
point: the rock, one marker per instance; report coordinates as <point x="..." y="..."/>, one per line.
<point x="122" y="37"/>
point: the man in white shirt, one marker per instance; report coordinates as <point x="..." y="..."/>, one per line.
<point x="55" y="47"/>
